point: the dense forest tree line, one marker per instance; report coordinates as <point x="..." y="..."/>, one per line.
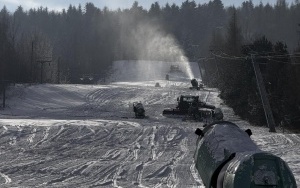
<point x="231" y="70"/>
<point x="64" y="46"/>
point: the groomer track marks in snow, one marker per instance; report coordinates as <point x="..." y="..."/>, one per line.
<point x="81" y="140"/>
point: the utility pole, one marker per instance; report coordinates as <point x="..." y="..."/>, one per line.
<point x="58" y="71"/>
<point x="217" y="68"/>
<point x="200" y="70"/>
<point x="298" y="31"/>
<point x="31" y="62"/>
<point x="42" y="62"/>
<point x="3" y="87"/>
<point x="204" y="79"/>
<point x="4" y="83"/>
<point x="263" y="96"/>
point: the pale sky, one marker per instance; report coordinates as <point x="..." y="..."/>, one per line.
<point x="58" y="5"/>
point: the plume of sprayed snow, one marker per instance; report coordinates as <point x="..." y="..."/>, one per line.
<point x="150" y="42"/>
<point x="141" y="70"/>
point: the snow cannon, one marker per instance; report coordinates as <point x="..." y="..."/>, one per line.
<point x="196" y="85"/>
<point x="139" y="110"/>
<point x="226" y="157"/>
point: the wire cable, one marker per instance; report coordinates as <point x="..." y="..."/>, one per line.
<point x="223" y="55"/>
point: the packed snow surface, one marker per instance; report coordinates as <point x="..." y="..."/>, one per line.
<point x="87" y="136"/>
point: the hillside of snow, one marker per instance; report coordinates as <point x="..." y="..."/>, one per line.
<point x="87" y="136"/>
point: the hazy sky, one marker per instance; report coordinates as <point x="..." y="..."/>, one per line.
<point x="11" y="5"/>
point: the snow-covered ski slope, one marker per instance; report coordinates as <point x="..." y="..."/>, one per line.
<point x="87" y="136"/>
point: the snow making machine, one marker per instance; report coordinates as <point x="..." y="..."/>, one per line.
<point x="196" y="85"/>
<point x="226" y="157"/>
<point x="192" y="106"/>
<point x="138" y="110"/>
